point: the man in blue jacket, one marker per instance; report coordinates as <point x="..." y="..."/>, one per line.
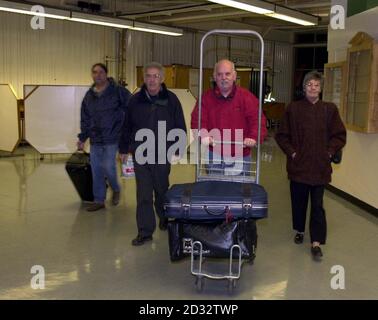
<point x="102" y="116"/>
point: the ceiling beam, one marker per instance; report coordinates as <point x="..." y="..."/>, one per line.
<point x="170" y="11"/>
<point x="215" y="15"/>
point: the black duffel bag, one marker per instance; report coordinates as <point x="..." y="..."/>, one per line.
<point x="216" y="238"/>
<point x="79" y="170"/>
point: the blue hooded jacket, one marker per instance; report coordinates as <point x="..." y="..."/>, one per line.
<point x="102" y="115"/>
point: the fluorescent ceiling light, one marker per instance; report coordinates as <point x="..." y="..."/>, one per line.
<point x="294" y="16"/>
<point x="290" y="19"/>
<point x="255" y="6"/>
<point x="271" y="10"/>
<point x="146" y="27"/>
<point x="101" y="20"/>
<point x="16" y="7"/>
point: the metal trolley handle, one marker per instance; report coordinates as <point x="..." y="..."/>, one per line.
<point x="225" y="32"/>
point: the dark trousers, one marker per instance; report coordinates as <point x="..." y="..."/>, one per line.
<point x="151" y="180"/>
<point x="300" y="193"/>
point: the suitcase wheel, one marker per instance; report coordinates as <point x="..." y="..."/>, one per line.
<point x="200" y="283"/>
<point x="251" y="260"/>
<point x="231" y="285"/>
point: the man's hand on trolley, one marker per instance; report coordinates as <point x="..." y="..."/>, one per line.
<point x="248" y="142"/>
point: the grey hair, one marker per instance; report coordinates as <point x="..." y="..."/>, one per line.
<point x="223" y="60"/>
<point x="155" y="65"/>
<point x="313" y="75"/>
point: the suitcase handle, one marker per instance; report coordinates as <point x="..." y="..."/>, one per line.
<point x="241" y="143"/>
<point x="81" y="151"/>
<point x="214" y="213"/>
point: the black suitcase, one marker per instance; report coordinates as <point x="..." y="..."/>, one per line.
<point x="79" y="170"/>
<point x="216" y="200"/>
<point x="216" y="238"/>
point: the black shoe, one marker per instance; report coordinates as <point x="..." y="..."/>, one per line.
<point x="298" y="239"/>
<point x="96" y="206"/>
<point x="163" y="224"/>
<point x="115" y="198"/>
<point x="316" y="252"/>
<point x="139" y="240"/>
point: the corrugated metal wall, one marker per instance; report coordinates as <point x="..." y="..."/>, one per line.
<point x="144" y="47"/>
<point x="283" y="72"/>
<point x="62" y="53"/>
<point x="138" y="52"/>
<point x="173" y="50"/>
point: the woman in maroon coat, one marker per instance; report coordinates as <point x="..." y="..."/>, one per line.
<point x="310" y="134"/>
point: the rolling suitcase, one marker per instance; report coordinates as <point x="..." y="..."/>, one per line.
<point x="216" y="200"/>
<point x="79" y="170"/>
<point x="216" y="238"/>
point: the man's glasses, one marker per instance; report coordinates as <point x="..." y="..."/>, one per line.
<point x="152" y="76"/>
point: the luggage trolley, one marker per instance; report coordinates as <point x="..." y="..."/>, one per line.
<point x="202" y="173"/>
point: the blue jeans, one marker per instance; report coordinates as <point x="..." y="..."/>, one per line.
<point x="104" y="166"/>
<point x="237" y="166"/>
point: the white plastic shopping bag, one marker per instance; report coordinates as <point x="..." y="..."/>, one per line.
<point x="127" y="168"/>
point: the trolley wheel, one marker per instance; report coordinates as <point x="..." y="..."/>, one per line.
<point x="231" y="285"/>
<point x="200" y="283"/>
<point x="251" y="260"/>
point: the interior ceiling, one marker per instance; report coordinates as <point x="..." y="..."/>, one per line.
<point x="199" y="14"/>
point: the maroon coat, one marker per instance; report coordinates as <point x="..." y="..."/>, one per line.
<point x="314" y="132"/>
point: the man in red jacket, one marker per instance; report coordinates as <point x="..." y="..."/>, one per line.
<point x="229" y="113"/>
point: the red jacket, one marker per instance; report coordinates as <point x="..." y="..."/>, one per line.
<point x="240" y="110"/>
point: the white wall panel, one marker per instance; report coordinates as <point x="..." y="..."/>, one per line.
<point x="357" y="174"/>
<point x="52" y="118"/>
<point x="187" y="101"/>
<point x="9" y="134"/>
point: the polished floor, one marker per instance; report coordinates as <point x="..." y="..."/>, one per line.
<point x="89" y="255"/>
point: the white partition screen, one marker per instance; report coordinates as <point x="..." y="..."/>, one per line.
<point x="9" y="124"/>
<point x="52" y="117"/>
<point x="187" y="101"/>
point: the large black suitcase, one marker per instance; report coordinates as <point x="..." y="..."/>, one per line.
<point x="79" y="170"/>
<point x="216" y="238"/>
<point x="216" y="200"/>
